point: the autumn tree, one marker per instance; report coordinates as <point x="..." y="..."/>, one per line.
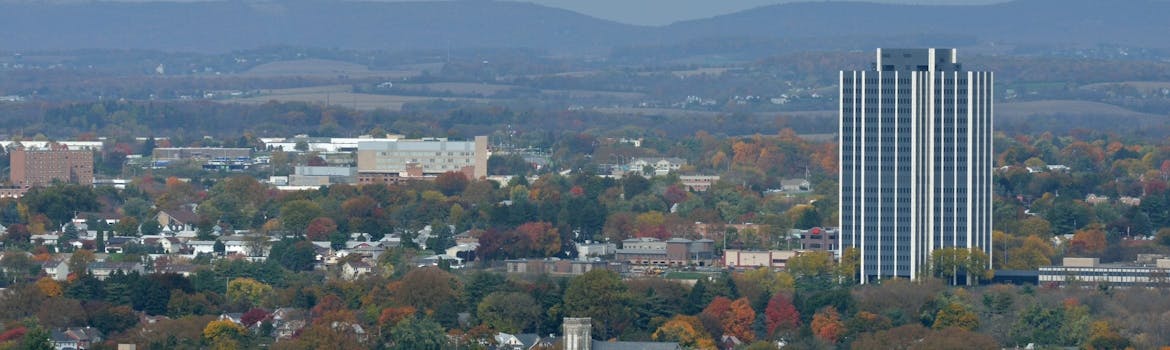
<point x="49" y="287"/>
<point x="320" y="229"/>
<point x="297" y="214"/>
<point x="427" y="289"/>
<point x="417" y="334"/>
<point x="1089" y="241"/>
<point x="600" y="295"/>
<point x="451" y="183"/>
<point x="951" y="263"/>
<point x="224" y="334"/>
<point x="687" y="331"/>
<point x="392" y="315"/>
<point x="509" y="312"/>
<point x="246" y="289"/>
<point x="781" y="315"/>
<point x="540" y="239"/>
<point x="827" y="326"/>
<point x="958" y="315"/>
<point x="1104" y="335"/>
<point x="738" y="320"/>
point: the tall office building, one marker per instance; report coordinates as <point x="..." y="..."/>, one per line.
<point x="916" y="160"/>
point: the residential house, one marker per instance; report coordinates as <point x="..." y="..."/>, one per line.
<point x="101" y="270"/>
<point x="355" y="269"/>
<point x="287" y="321"/>
<point x="57" y="267"/>
<point x="661" y="166"/>
<point x="179" y="220"/>
<point x="1130" y="201"/>
<point x="168" y="245"/>
<point x="235" y="317"/>
<point x="47" y="239"/>
<point x="795" y="185"/>
<point x="698" y="183"/>
<point x="75" y="338"/>
<point x="1095" y="199"/>
<point x="201" y="247"/>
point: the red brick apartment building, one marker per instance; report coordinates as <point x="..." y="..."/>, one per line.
<point x="39" y="167"/>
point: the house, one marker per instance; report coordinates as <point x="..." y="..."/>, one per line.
<point x="523" y="341"/>
<point x="355" y="268"/>
<point x="48" y="239"/>
<point x="183" y="269"/>
<point x="698" y="183"/>
<point x="116" y="243"/>
<point x="729" y="342"/>
<point x="372" y="251"/>
<point x="74" y="338"/>
<point x="349" y="327"/>
<point x="465" y="251"/>
<point x="168" y="245"/>
<point x="57" y="267"/>
<point x="235" y="317"/>
<point x="178" y="220"/>
<point x="661" y="166"/>
<point x="436" y="260"/>
<point x="201" y="247"/>
<point x="101" y="270"/>
<point x="1095" y="199"/>
<point x="247" y="245"/>
<point x="110" y="219"/>
<point x="795" y="185"/>
<point x="287" y="321"/>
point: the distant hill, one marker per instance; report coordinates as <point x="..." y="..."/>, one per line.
<point x="1053" y="22"/>
<point x="229" y="25"/>
<point x="220" y="26"/>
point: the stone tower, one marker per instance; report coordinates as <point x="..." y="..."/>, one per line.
<point x="578" y="333"/>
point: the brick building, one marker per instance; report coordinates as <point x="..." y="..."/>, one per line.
<point x="41" y="166"/>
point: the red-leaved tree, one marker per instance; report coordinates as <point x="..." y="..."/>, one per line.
<point x="781" y="315"/>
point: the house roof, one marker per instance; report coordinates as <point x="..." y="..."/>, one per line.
<point x="182" y="215"/>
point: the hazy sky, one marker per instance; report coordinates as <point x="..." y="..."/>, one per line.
<point x="642" y="12"/>
<point x="660" y="12"/>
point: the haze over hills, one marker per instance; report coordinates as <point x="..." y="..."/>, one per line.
<point x="224" y="26"/>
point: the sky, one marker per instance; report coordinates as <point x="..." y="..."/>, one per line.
<point x="662" y="12"/>
<point x="640" y="12"/>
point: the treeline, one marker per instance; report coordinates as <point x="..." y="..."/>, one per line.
<point x="1036" y="202"/>
<point x="812" y="304"/>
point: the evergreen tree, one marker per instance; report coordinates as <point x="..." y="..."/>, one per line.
<point x="100" y="241"/>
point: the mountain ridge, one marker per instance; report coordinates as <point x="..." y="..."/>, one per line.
<point x="233" y="25"/>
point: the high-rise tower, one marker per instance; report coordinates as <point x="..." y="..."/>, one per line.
<point x="916" y="160"/>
